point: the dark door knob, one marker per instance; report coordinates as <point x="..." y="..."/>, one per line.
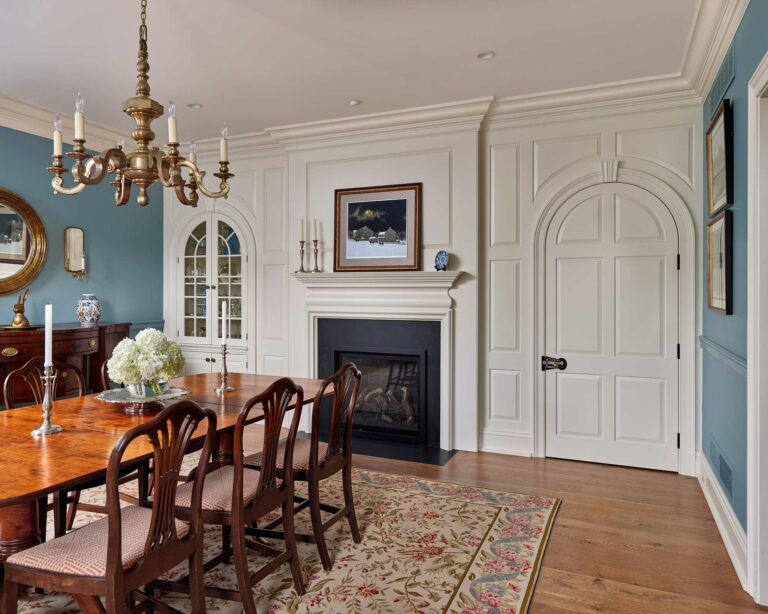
<point x="548" y="363"/>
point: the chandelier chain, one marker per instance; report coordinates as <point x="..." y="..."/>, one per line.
<point x="143" y="29"/>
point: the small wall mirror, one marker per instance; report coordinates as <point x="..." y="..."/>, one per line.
<point x="22" y="242"/>
<point x="74" y="251"/>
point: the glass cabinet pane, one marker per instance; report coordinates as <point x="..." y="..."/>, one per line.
<point x="195" y="283"/>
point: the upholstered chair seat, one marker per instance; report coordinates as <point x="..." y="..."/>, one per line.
<point x="218" y="488"/>
<point x="83" y="552"/>
<point x="301" y="453"/>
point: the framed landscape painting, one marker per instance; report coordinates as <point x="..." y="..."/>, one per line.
<point x="719" y="263"/>
<point x="378" y="228"/>
<point x="720" y="158"/>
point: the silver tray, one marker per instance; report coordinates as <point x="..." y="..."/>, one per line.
<point x="121" y="395"/>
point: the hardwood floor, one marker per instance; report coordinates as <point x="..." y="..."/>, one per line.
<point x="625" y="540"/>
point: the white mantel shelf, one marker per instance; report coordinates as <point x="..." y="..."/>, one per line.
<point x="443" y="280"/>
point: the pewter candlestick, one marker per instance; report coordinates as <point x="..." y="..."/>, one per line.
<point x="49" y="386"/>
<point x="224" y="386"/>
<point x="315" y="270"/>
<point x="301" y="255"/>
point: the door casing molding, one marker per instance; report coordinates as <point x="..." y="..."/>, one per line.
<point x="686" y="300"/>
<point x="757" y="334"/>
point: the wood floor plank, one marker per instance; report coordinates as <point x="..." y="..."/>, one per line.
<point x="625" y="540"/>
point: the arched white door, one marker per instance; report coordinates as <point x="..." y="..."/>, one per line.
<point x="612" y="313"/>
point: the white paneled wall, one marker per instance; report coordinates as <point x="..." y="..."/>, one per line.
<point x="489" y="190"/>
<point x="528" y="169"/>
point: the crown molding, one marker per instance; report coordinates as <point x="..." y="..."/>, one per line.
<point x="37" y="120"/>
<point x="464" y="114"/>
<point x="711" y="36"/>
<point x="620" y="95"/>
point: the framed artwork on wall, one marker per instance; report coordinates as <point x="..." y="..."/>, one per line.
<point x="720" y="263"/>
<point x="720" y="158"/>
<point x="378" y="228"/>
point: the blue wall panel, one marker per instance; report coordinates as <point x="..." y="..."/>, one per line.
<point x="124" y="245"/>
<point x="724" y="394"/>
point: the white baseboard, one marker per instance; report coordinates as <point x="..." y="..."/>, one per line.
<point x="500" y="442"/>
<point x="734" y="536"/>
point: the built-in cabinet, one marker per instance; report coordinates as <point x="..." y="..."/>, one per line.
<point x="212" y="266"/>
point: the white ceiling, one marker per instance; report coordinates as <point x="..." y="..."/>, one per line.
<point x="261" y="63"/>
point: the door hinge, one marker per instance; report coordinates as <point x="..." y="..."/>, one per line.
<point x="178" y="261"/>
<point x="678" y="351"/>
<point x="177" y="333"/>
<point x="678" y="262"/>
<point x="678" y="441"/>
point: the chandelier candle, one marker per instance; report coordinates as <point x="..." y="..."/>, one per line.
<point x="147" y="163"/>
<point x="58" y="148"/>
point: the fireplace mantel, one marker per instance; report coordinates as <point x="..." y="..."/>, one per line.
<point x="406" y="295"/>
<point x="380" y="279"/>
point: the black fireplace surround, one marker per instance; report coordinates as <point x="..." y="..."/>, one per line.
<point x="398" y="409"/>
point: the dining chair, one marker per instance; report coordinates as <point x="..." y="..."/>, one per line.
<point x="236" y="496"/>
<point x="30" y="375"/>
<point x="66" y="504"/>
<point x="315" y="460"/>
<point x="114" y="556"/>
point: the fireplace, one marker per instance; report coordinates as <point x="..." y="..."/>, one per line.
<point x="398" y="409"/>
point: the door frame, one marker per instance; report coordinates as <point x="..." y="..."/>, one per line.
<point x="757" y="335"/>
<point x="686" y="300"/>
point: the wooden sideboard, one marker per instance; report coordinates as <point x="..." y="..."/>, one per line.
<point x="81" y="346"/>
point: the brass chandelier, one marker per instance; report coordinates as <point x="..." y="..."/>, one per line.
<point x="145" y="164"/>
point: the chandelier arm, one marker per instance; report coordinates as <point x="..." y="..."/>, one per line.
<point x="168" y="170"/>
<point x="93" y="171"/>
<point x="58" y="187"/>
<point x="199" y="175"/>
<point x="192" y="199"/>
<point x="122" y="190"/>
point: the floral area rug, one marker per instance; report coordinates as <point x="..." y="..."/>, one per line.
<point x="427" y="547"/>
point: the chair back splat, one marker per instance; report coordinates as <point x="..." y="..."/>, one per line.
<point x="282" y="396"/>
<point x="346" y="386"/>
<point x="31" y="372"/>
<point x="169" y="433"/>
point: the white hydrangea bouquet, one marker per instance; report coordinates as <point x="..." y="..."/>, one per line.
<point x="146" y="363"/>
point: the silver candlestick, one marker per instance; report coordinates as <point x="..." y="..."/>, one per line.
<point x="315" y="270"/>
<point x="224" y="386"/>
<point x="49" y="378"/>
<point x="301" y="255"/>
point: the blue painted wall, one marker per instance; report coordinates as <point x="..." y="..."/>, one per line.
<point x="724" y="407"/>
<point x="124" y="245"/>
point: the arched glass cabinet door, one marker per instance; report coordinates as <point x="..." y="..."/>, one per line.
<point x="196" y="283"/>
<point x="230" y="265"/>
<point x="213" y="269"/>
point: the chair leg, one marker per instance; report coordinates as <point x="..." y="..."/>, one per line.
<point x="349" y="501"/>
<point x="10" y="597"/>
<point x="196" y="581"/>
<point x="226" y="544"/>
<point x="42" y="517"/>
<point x="59" y="513"/>
<point x="317" y="524"/>
<point x="72" y="510"/>
<point x="290" y="545"/>
<point x="241" y="570"/>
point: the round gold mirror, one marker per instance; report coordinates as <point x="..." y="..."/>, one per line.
<point x="22" y="242"/>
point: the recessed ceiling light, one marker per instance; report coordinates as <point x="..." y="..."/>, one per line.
<point x="355" y="103"/>
<point x="194" y="105"/>
<point x="486" y="55"/>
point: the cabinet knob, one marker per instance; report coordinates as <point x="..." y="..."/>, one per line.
<point x="213" y="360"/>
<point x="207" y="359"/>
<point x="92" y="343"/>
<point x="9" y="352"/>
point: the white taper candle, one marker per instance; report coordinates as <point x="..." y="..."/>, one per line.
<point x="301" y="228"/>
<point x="79" y="117"/>
<point x="58" y="149"/>
<point x="173" y="136"/>
<point x="48" y="336"/>
<point x="223" y="322"/>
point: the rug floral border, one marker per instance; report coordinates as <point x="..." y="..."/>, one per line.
<point x="502" y="575"/>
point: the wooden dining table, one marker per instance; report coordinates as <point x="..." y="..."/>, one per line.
<point x="31" y="468"/>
